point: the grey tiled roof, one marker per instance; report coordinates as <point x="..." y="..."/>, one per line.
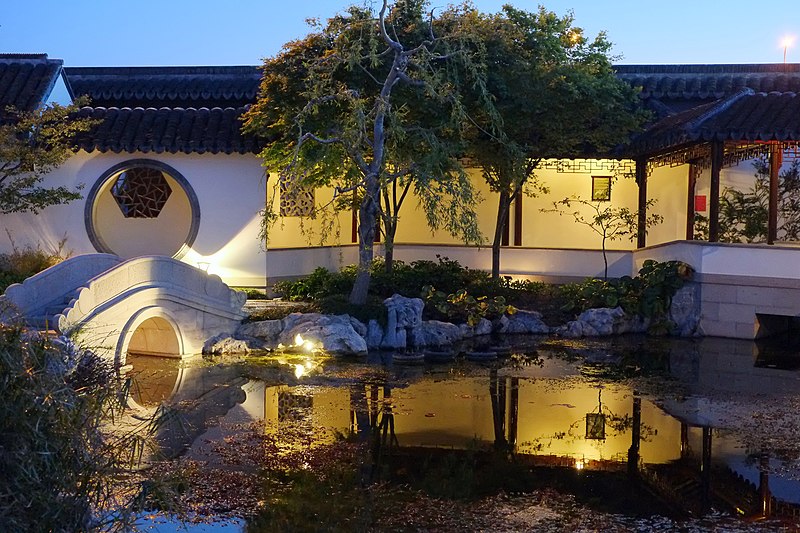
<point x="171" y="130"/>
<point x="744" y="116"/>
<point x="689" y="82"/>
<point x="670" y="89"/>
<point x="225" y="86"/>
<point x="26" y="80"/>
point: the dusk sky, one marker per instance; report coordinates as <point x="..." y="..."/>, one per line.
<point x="242" y="32"/>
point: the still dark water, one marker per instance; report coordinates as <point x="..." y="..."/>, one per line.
<point x="702" y="425"/>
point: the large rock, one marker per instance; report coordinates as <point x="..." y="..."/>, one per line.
<point x="267" y="330"/>
<point x="403" y="315"/>
<point x="435" y="333"/>
<point x="483" y="327"/>
<point x="523" y="322"/>
<point x="359" y="326"/>
<point x="225" y="345"/>
<point x="602" y="322"/>
<point x="332" y="333"/>
<point x="684" y="311"/>
<point x="374" y="334"/>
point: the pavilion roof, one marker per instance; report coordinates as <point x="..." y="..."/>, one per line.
<point x="709" y="81"/>
<point x="745" y="116"/>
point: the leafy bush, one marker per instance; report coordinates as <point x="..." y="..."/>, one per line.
<point x="461" y="307"/>
<point x="274" y="312"/>
<point x="648" y="295"/>
<point x="407" y="279"/>
<point x="253" y="294"/>
<point x="317" y="285"/>
<point x="337" y="304"/>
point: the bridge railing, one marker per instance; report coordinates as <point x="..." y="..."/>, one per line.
<point x="35" y="294"/>
<point x="163" y="273"/>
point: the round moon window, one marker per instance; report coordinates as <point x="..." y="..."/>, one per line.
<point x="142" y="207"/>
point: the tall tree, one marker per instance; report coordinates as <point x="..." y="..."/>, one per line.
<point x="369" y="104"/>
<point x="557" y="96"/>
<point x="32" y="144"/>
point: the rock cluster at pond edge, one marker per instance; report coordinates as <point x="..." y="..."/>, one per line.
<point x="343" y="334"/>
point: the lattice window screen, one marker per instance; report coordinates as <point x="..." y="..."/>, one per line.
<point x="141" y="192"/>
<point x="296" y="200"/>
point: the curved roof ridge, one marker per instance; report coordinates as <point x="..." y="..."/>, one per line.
<point x="718" y="107"/>
<point x="709" y="68"/>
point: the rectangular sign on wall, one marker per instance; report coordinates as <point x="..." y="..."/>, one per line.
<point x="699" y="203"/>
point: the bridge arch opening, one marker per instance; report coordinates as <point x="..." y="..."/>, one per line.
<point x="154" y="336"/>
<point x="151" y="331"/>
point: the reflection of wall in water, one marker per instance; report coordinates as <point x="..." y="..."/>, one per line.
<point x="458" y="412"/>
<point x="729" y="365"/>
<point x="327" y="410"/>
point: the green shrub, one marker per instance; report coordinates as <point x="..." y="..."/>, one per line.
<point x="460" y="306"/>
<point x="407" y="279"/>
<point x="647" y="295"/>
<point x="274" y="312"/>
<point x="253" y="294"/>
<point x="317" y="285"/>
<point x="337" y="304"/>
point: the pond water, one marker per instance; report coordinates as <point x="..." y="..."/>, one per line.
<point x="632" y="425"/>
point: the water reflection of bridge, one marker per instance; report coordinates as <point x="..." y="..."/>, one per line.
<point x="544" y="422"/>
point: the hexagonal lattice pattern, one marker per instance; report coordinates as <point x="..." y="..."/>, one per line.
<point x="141" y="192"/>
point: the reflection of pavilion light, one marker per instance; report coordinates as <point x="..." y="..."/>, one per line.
<point x="301" y="369"/>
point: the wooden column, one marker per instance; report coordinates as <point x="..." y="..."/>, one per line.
<point x="641" y="181"/>
<point x="717" y="151"/>
<point x="775" y="162"/>
<point x="518" y="220"/>
<point x="763" y="486"/>
<point x="506" y="229"/>
<point x="636" y="435"/>
<point x="705" y="472"/>
<point x="694" y="172"/>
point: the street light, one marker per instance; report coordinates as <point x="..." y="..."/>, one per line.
<point x="787" y="41"/>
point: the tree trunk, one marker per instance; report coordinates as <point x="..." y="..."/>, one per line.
<point x="605" y="260"/>
<point x="367" y="217"/>
<point x="503" y="207"/>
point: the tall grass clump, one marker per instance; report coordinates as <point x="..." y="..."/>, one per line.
<point x="60" y="464"/>
<point x="24" y="262"/>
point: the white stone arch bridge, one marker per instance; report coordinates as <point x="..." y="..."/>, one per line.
<point x="147" y="305"/>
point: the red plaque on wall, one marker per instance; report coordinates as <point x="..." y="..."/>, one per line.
<point x="700" y="202"/>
